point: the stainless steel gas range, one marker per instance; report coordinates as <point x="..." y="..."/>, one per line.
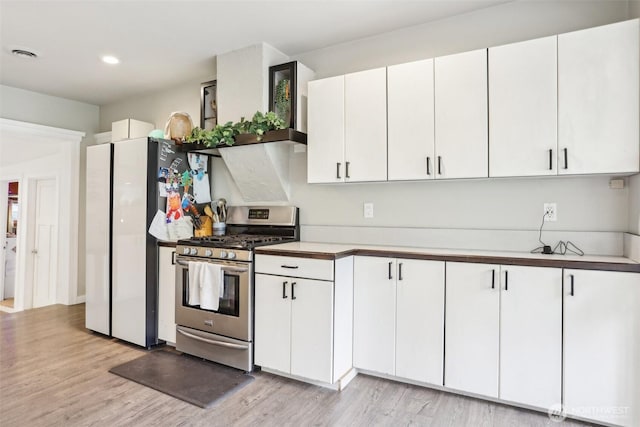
<point x="225" y="335"/>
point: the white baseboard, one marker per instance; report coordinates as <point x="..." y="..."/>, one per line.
<point x="80" y="299"/>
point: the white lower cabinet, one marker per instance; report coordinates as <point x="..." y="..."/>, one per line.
<point x="399" y="317"/>
<point x="303" y="326"/>
<point x="602" y="346"/>
<point x="504" y="332"/>
<point x="166" y="294"/>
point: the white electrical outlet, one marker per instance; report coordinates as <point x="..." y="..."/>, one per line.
<point x="368" y="210"/>
<point x="550" y="212"/>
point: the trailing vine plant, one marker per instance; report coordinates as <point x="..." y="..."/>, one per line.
<point x="224" y="134"/>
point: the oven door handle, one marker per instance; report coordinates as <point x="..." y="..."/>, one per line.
<point x="214" y="342"/>
<point x="230" y="269"/>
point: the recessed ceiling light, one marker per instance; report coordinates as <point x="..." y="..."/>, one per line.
<point x="24" y="53"/>
<point x="108" y="59"/>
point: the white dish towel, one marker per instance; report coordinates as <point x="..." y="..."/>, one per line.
<point x="211" y="286"/>
<point x="195" y="272"/>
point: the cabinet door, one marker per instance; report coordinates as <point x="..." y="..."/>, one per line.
<point x="523" y="101"/>
<point x="598" y="104"/>
<point x="410" y="120"/>
<point x="420" y="320"/>
<point x="325" y="122"/>
<point x="531" y="335"/>
<point x="472" y="328"/>
<point x="461" y="140"/>
<point x="311" y="329"/>
<point x="273" y="322"/>
<point x="166" y="294"/>
<point x="374" y="314"/>
<point x="366" y="125"/>
<point x="602" y="346"/>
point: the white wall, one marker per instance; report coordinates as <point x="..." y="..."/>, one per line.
<point x="33" y="107"/>
<point x="584" y="203"/>
<point x="634" y="205"/>
<point x="156" y="107"/>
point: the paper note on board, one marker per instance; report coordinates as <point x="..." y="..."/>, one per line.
<point x="158" y="227"/>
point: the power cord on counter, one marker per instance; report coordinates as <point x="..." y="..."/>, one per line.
<point x="560" y="248"/>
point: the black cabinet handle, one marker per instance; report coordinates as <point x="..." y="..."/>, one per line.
<point x="439" y="165"/>
<point x="550" y="159"/>
<point x="428" y="162"/>
<point x="571" y="276"/>
<point x="284" y="290"/>
<point x="566" y="158"/>
<point x="293" y="267"/>
<point x="293" y="290"/>
<point x="390" y="276"/>
<point x="506" y="280"/>
<point x="346" y="175"/>
<point x="173" y="258"/>
<point x="400" y="271"/>
<point x="493" y="279"/>
<point x="338" y="170"/>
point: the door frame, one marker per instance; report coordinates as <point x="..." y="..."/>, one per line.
<point x="53" y="152"/>
<point x="4" y="204"/>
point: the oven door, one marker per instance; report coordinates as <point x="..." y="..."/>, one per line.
<point x="233" y="318"/>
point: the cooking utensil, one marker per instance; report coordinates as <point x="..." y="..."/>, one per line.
<point x="222" y="210"/>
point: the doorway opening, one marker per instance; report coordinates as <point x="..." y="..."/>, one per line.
<point x="10" y="246"/>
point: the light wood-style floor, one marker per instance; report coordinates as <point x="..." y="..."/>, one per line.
<point x="55" y="372"/>
<point x="7" y="302"/>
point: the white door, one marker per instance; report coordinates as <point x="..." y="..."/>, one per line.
<point x="365" y="106"/>
<point x="523" y="99"/>
<point x="273" y="322"/>
<point x="167" y="294"/>
<point x="325" y="123"/>
<point x="374" y="314"/>
<point x="461" y="139"/>
<point x="602" y="346"/>
<point x="129" y="280"/>
<point x="311" y="329"/>
<point x="410" y="120"/>
<point x="45" y="247"/>
<point x="598" y="102"/>
<point x="472" y="328"/>
<point x="531" y="335"/>
<point x="420" y="320"/>
<point x="98" y="242"/>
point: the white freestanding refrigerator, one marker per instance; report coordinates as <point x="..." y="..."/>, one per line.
<point x="98" y="239"/>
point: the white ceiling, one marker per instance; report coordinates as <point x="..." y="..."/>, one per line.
<point x="163" y="43"/>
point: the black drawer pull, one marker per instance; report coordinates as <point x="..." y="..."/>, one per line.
<point x="293" y="290"/>
<point x="439" y="165"/>
<point x="400" y="271"/>
<point x="428" y="162"/>
<point x="390" y="276"/>
<point x="566" y="158"/>
<point x="338" y="170"/>
<point x="571" y="276"/>
<point x="493" y="279"/>
<point x="550" y="159"/>
<point x="293" y="267"/>
<point x="506" y="280"/>
<point x="173" y="258"/>
<point x="284" y="290"/>
<point x="346" y="173"/>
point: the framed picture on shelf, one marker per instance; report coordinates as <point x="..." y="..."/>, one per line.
<point x="208" y="105"/>
<point x="282" y="92"/>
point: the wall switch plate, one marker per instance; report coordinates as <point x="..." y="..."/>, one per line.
<point x="368" y="210"/>
<point x="550" y="212"/>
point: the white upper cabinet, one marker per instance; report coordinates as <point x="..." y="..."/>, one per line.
<point x="598" y="100"/>
<point x="461" y="128"/>
<point x="523" y="108"/>
<point x="410" y="121"/>
<point x="325" y="122"/>
<point x="365" y="106"/>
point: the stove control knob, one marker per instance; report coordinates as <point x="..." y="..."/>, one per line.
<point x="223" y="254"/>
<point x="185" y="251"/>
<point x="194" y="251"/>
<point x="208" y="252"/>
<point x="231" y="255"/>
